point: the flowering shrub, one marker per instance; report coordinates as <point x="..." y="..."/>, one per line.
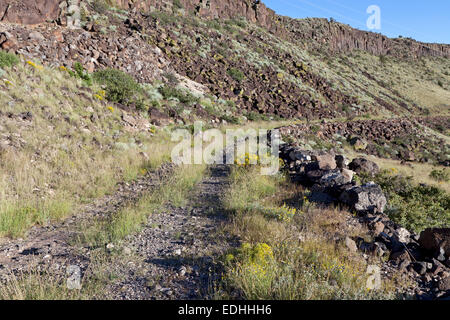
<point x="253" y="260"/>
<point x="7" y="82"/>
<point x="284" y="213"/>
<point x="247" y="160"/>
<point x="100" y="95"/>
<point x="34" y="65"/>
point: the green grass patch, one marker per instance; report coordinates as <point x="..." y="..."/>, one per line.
<point x="8" y="59"/>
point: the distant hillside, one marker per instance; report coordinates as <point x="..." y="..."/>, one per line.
<point x="242" y="52"/>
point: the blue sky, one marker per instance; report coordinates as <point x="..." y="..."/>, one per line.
<point x="427" y="21"/>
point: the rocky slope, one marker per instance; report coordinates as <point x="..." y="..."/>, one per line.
<point x="336" y="37"/>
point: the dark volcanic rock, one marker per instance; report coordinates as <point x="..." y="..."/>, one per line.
<point x="362" y="165"/>
<point x="337" y="37"/>
<point x="436" y="241"/>
<point x="366" y="198"/>
<point x="29" y="11"/>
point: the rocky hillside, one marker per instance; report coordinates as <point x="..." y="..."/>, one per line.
<point x="90" y="91"/>
<point x="260" y="66"/>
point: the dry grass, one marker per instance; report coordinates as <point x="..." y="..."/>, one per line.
<point x="420" y="172"/>
<point x="131" y="218"/>
<point x="44" y="283"/>
<point x="73" y="150"/>
<point x="302" y="260"/>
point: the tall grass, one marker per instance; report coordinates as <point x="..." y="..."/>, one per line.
<point x="74" y="149"/>
<point x="299" y="260"/>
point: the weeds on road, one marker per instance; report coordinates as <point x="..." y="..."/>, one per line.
<point x="131" y="218"/>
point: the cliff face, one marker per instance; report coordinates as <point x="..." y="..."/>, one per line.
<point x="253" y="10"/>
<point x="29" y="11"/>
<point x="39" y="11"/>
<point x="337" y="37"/>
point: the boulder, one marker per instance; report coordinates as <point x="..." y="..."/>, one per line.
<point x="348" y="175"/>
<point x="299" y="155"/>
<point x="362" y="165"/>
<point x="402" y="235"/>
<point x="358" y="143"/>
<point x="333" y="179"/>
<point x="420" y="267"/>
<point x="8" y="42"/>
<point x="341" y="161"/>
<point x="35" y="35"/>
<point x="400" y="257"/>
<point x="29" y="11"/>
<point x="444" y="284"/>
<point x="326" y="162"/>
<point x="378" y="227"/>
<point x="368" y="198"/>
<point x="158" y="118"/>
<point x="436" y="241"/>
<point x="351" y="244"/>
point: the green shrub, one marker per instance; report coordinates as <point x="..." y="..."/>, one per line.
<point x="182" y="95"/>
<point x="163" y="18"/>
<point x="416" y="207"/>
<point x="177" y="4"/>
<point x="236" y="74"/>
<point x="255" y="116"/>
<point x="101" y="6"/>
<point x="8" y="59"/>
<point x="440" y="175"/>
<point x="120" y="87"/>
<point x="81" y="73"/>
<point x="230" y="119"/>
<point x="383" y="59"/>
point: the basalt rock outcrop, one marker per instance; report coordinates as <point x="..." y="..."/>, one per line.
<point x="56" y="46"/>
<point x="320" y="172"/>
<point x="253" y="10"/>
<point x="40" y="11"/>
<point x="424" y="258"/>
<point x="29" y="11"/>
<point x="337" y="37"/>
<point x="319" y="33"/>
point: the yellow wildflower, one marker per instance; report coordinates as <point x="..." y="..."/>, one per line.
<point x="34" y="65"/>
